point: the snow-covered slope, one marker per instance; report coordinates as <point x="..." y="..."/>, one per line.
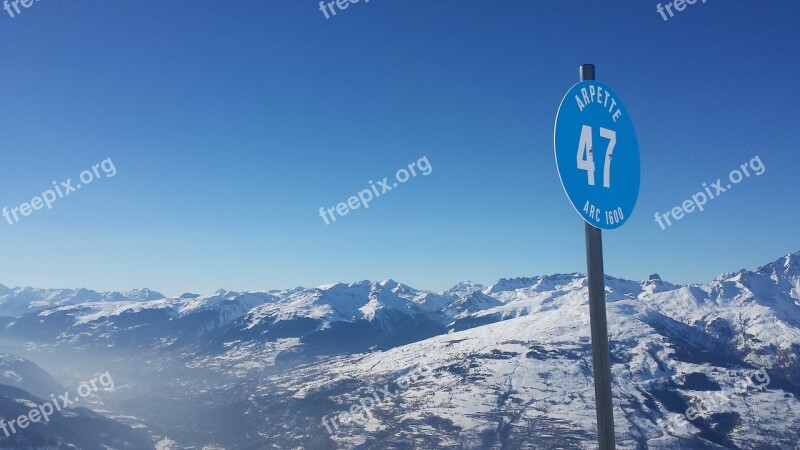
<point x="729" y="349"/>
<point x="527" y="383"/>
<point x="500" y="366"/>
<point x="332" y="319"/>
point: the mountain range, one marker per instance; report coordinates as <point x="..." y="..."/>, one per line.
<point x="501" y="366"/>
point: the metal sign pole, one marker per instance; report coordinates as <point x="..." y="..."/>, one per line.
<point x="597" y="313"/>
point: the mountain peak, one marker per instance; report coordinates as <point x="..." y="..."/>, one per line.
<point x="791" y="263"/>
<point x="143" y="295"/>
<point x="788" y="266"/>
<point x="387" y="281"/>
<point x="511" y="284"/>
<point x="464" y="288"/>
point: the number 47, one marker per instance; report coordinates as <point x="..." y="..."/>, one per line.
<point x="585" y="154"/>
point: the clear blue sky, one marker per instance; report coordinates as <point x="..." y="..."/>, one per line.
<point x="231" y="123"/>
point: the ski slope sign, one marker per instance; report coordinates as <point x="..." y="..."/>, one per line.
<point x="597" y="155"/>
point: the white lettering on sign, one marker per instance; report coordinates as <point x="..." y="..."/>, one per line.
<point x="595" y="94"/>
<point x="592" y="211"/>
<point x="609" y="217"/>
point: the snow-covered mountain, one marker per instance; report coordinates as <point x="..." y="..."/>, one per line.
<point x="525" y="379"/>
<point x="141" y="319"/>
<point x="500" y="366"/>
<point x="17" y="301"/>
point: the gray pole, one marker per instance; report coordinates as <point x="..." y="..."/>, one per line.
<point x="597" y="316"/>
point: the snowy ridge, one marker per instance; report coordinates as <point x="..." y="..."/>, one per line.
<point x="347" y="302"/>
<point x="775" y="286"/>
<point x="506" y="366"/>
<point x="14" y="302"/>
<point x="526" y="380"/>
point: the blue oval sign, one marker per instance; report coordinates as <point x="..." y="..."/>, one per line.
<point x="597" y="154"/>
